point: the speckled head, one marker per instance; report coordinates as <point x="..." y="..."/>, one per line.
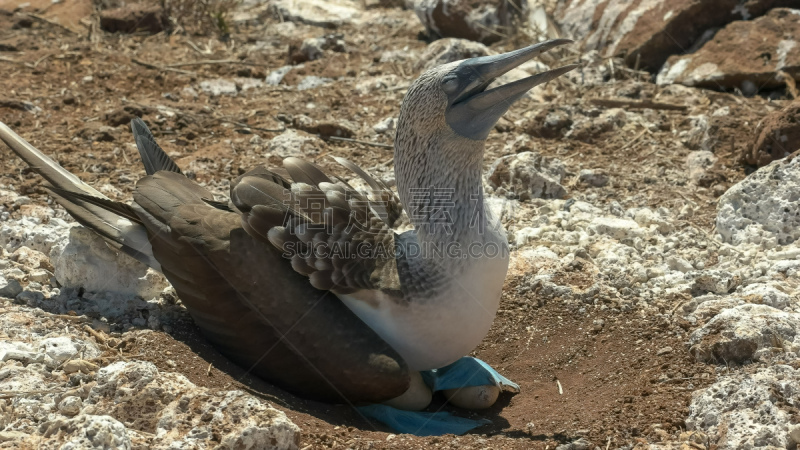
<point x="445" y="119"/>
<point x="455" y="94"/>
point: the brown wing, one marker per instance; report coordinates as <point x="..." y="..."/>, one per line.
<point x="255" y="309"/>
<point x="244" y="296"/>
<point x="343" y="240"/>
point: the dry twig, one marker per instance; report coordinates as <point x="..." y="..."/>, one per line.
<point x="633" y="141"/>
<point x="214" y="61"/>
<point x="356" y="141"/>
<point x="244" y="125"/>
<point x="155" y="67"/>
<point x="644" y="104"/>
<point x="791" y="86"/>
<point x="100" y="338"/>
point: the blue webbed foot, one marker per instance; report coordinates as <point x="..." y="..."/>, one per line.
<point x="466" y="372"/>
<point x="468" y="382"/>
<point x="420" y="423"/>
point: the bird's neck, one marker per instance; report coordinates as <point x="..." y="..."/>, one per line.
<point x="442" y="191"/>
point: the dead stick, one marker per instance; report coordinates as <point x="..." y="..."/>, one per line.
<point x="791" y="86"/>
<point x="68" y="317"/>
<point x="155" y="67"/>
<point x="356" y="141"/>
<point x="100" y="338"/>
<point x="214" y="61"/>
<point x="646" y="104"/>
<point x="244" y="125"/>
<point x="633" y="141"/>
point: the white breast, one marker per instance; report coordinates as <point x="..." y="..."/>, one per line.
<point x="433" y="332"/>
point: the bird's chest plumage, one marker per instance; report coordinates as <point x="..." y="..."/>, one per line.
<point x="435" y="328"/>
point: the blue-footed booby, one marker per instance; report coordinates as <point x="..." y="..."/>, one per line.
<point x="366" y="297"/>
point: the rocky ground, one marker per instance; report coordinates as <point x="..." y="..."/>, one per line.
<point x="653" y="298"/>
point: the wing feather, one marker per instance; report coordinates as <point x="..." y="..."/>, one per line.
<point x="327" y="229"/>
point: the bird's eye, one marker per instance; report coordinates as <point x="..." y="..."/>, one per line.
<point x="450" y="85"/>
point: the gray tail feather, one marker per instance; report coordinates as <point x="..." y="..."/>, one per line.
<point x="153" y="157"/>
<point x="111" y="220"/>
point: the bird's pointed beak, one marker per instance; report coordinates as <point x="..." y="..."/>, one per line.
<point x="473" y="110"/>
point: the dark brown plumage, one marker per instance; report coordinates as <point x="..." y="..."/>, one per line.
<point x="251" y="305"/>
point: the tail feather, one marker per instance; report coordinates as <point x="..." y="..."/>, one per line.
<point x="123" y="234"/>
<point x="153" y="157"/>
<point x="115" y="222"/>
<point x="121" y="209"/>
<point x="43" y="165"/>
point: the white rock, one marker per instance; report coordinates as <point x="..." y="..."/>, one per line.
<point x="322" y="13"/>
<point x="527" y="175"/>
<point x="14" y="345"/>
<point x="294" y="143"/>
<point x="25" y="357"/>
<point x="312" y="82"/>
<point x="70" y="405"/>
<point x="698" y="162"/>
<point x="13" y="436"/>
<point x="639" y="274"/>
<point x="219" y="86"/>
<point x="711" y="308"/>
<point x="500" y="209"/>
<point x="387" y="125"/>
<point x="698" y="136"/>
<point x="85" y="261"/>
<point x="62" y="348"/>
<point x="400" y="55"/>
<point x="715" y="281"/>
<point x="646" y="217"/>
<point x="188" y="416"/>
<point x="276" y="76"/>
<point x="763" y="208"/>
<point x="579" y="444"/>
<point x="746" y="411"/>
<point x="443" y="51"/>
<point x="30" y="258"/>
<point x="615" y="228"/>
<point x="539" y="254"/>
<point x="86" y="432"/>
<point x="734" y="335"/>
<point x="794" y="433"/>
<point x="368" y="85"/>
<point x="189" y="91"/>
<point x="30" y="233"/>
<point x="765" y="294"/>
<point x="39" y="275"/>
<point x="312" y="48"/>
<point x="679" y="264"/>
<point x="239" y="420"/>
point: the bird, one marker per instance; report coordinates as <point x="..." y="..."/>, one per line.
<point x="331" y="292"/>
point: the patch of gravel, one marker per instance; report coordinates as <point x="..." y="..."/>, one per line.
<point x="741" y="301"/>
<point x="68" y="391"/>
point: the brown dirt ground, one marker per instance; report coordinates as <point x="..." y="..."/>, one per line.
<point x="620" y="384"/>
